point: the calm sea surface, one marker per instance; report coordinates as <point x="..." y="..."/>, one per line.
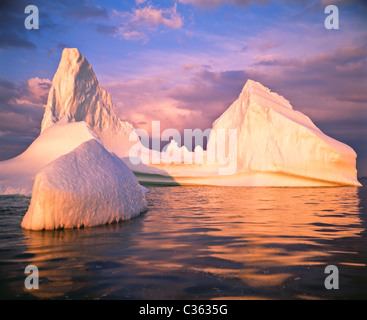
<point x="198" y="243"/>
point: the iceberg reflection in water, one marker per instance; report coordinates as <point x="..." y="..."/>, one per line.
<point x="198" y="242"/>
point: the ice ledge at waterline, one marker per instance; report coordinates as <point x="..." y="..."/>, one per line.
<point x="87" y="187"/>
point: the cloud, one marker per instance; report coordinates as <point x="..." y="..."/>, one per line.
<point x="57" y="15"/>
<point x="141" y="21"/>
<point x="240" y="3"/>
<point x="7" y="91"/>
<point x="340" y="73"/>
<point x="209" y="91"/>
<point x="332" y="88"/>
<point x="267" y="46"/>
<point x="134" y="35"/>
<point x="23" y="97"/>
<point x="12" y="31"/>
<point x="35" y="91"/>
<point x="192" y="96"/>
<point x="153" y="17"/>
<point x="77" y="10"/>
<point x="143" y="100"/>
<point x="21" y="111"/>
<point x="86" y="10"/>
<point x="333" y="83"/>
<point x="14" y="40"/>
<point x="362" y="3"/>
<point x="107" y="29"/>
<point x="204" y="3"/>
<point x="58" y="48"/>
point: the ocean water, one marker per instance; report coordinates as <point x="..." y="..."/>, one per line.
<point x="198" y="243"/>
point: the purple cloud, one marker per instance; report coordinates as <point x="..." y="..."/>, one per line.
<point x="21" y="111"/>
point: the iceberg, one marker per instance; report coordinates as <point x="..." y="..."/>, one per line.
<point x="272" y="137"/>
<point x="86" y="187"/>
<point x="76" y="95"/>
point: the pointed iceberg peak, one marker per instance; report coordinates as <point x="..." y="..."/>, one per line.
<point x="252" y="83"/>
<point x="263" y="96"/>
<point x="73" y="65"/>
<point x="76" y="95"/>
<point x="71" y="54"/>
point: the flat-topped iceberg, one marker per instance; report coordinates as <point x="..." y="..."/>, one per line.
<point x="274" y="138"/>
<point x="86" y="187"/>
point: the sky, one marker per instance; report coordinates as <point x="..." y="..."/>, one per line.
<point x="184" y="62"/>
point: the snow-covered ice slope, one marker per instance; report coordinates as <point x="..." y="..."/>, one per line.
<point x="77" y="95"/>
<point x="87" y="187"/>
<point x="274" y="138"/>
<point x="17" y="174"/>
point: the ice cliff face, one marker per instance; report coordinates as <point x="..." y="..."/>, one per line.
<point x="76" y="95"/>
<point x="273" y="137"/>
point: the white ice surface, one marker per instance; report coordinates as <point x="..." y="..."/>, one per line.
<point x="17" y="174"/>
<point x="87" y="187"/>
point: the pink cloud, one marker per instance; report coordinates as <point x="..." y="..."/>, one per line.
<point x="35" y="91"/>
<point x="178" y="97"/>
<point x="141" y="21"/>
<point x="155" y="17"/>
<point x="147" y="99"/>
